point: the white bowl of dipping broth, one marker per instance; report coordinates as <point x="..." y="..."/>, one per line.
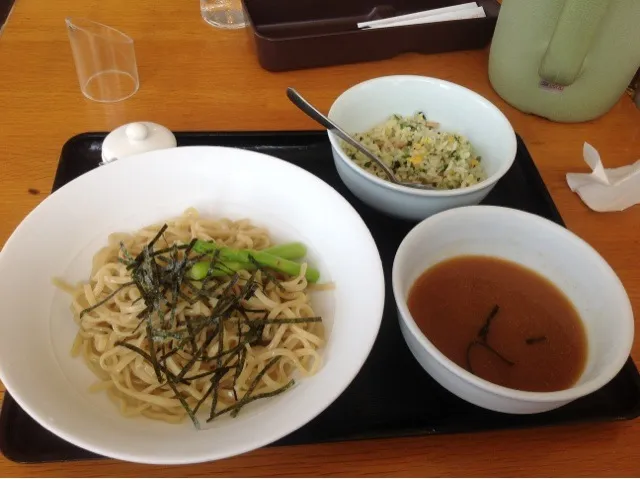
<point x="457" y="110"/>
<point x="558" y="255"/>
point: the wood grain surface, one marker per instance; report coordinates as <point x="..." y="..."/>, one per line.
<point x="194" y="77"/>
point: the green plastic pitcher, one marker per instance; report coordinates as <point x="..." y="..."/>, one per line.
<point x="565" y="60"/>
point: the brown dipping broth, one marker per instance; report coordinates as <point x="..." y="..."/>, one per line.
<point x="503" y="322"/>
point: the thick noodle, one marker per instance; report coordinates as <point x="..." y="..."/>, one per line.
<point x="130" y="380"/>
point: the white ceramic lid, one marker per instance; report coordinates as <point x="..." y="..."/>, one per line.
<point x="134" y="138"/>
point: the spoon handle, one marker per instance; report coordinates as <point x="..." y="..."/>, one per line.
<point x="312" y="112"/>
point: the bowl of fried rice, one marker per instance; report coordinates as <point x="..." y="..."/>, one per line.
<point x="427" y="131"/>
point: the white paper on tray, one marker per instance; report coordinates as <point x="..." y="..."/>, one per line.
<point x="606" y="189"/>
<point x="455" y="12"/>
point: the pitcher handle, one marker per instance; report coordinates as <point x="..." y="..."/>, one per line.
<point x="576" y="28"/>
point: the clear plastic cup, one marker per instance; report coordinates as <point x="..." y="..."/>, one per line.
<point x="105" y="60"/>
<point x="223" y="13"/>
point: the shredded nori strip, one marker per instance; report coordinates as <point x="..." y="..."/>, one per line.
<point x="254" y="385"/>
<point x="103" y="301"/>
<point x="152" y="352"/>
<point x="146" y="356"/>
<point x="482" y="340"/>
<point x="489" y="348"/>
<point x="205" y="374"/>
<point x="198" y="353"/>
<point x="484" y="331"/>
<point x="234" y="407"/>
<point x="239" y="365"/>
<point x="162" y="278"/>
<point x="205" y="396"/>
<point x="184" y="404"/>
<point x="192" y="337"/>
<point x="312" y="319"/>
<point x="215" y="380"/>
<point x="266" y="272"/>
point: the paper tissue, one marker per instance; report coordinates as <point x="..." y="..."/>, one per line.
<point x="606" y="189"/>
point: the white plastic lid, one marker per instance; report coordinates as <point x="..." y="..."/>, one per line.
<point x="134" y="138"/>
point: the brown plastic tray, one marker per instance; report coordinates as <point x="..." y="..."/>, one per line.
<point x="297" y="34"/>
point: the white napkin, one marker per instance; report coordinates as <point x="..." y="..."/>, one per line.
<point x="606" y="189"/>
<point x="456" y="12"/>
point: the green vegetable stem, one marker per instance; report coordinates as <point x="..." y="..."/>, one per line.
<point x="277" y="258"/>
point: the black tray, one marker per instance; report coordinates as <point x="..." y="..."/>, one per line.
<point x="426" y="407"/>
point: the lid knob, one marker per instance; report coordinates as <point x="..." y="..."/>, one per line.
<point x="136" y="131"/>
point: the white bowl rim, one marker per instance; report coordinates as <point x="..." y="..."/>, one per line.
<point x="259" y="440"/>
<point x="333" y="139"/>
<point x="569" y="394"/>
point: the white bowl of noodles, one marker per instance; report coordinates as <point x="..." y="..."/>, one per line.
<point x="60" y="239"/>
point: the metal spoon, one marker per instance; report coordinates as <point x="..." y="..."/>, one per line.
<point x="313" y="113"/>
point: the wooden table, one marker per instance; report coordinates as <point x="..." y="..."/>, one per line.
<point x="194" y="77"/>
